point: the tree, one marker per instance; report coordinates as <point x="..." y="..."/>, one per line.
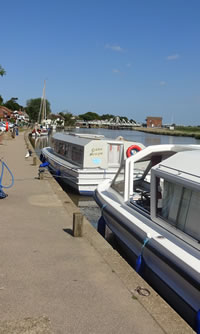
<point x="107" y="116"/>
<point x="33" y="108"/>
<point x="89" y="116"/>
<point x="69" y="119"/>
<point x="12" y="104"/>
<point x="2" y="71"/>
<point x="1" y="100"/>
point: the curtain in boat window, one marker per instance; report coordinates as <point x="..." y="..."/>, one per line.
<point x="167" y="199"/>
<point x="192" y="224"/>
<point x="181" y="208"/>
<point x="183" y="211"/>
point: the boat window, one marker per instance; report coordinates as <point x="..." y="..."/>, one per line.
<point x="141" y="169"/>
<point x="118" y="182"/>
<point x="141" y="185"/>
<point x="77" y="154"/>
<point x="67" y="150"/>
<point x="61" y="148"/>
<point x="73" y="153"/>
<point x="178" y="206"/>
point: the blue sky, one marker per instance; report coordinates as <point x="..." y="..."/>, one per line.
<point x="133" y="58"/>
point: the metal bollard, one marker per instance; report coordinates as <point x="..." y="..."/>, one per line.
<point x="77" y="224"/>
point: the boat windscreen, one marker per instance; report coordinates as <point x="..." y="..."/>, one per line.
<point x="118" y="182"/>
<point x="141" y="169"/>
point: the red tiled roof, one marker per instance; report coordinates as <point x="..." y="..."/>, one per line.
<point x="4" y="112"/>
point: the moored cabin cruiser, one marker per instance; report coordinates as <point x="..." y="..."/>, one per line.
<point x="152" y="206"/>
<point x="83" y="160"/>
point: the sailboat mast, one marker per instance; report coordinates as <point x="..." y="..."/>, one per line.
<point x="44" y="101"/>
<point x="42" y="112"/>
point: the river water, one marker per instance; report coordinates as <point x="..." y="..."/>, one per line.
<point x="86" y="204"/>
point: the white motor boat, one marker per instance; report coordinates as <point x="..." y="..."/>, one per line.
<point x="83" y="160"/>
<point x="152" y="207"/>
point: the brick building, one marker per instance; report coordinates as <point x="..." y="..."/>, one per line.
<point x="154" y="122"/>
<point x="5" y="113"/>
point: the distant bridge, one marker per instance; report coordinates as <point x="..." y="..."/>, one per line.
<point x="113" y="123"/>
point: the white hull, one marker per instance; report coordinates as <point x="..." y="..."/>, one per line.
<point x="84" y="181"/>
<point x="159" y="254"/>
<point x="171" y="258"/>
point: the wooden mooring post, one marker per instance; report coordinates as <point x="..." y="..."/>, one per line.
<point x="34" y="161"/>
<point x="77" y="224"/>
<point x="41" y="174"/>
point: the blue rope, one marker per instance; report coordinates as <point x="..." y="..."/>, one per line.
<point x="139" y="260"/>
<point x="58" y="173"/>
<point x="198" y="322"/>
<point x="44" y="164"/>
<point x="2" y="193"/>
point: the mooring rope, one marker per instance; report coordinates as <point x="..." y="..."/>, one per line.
<point x="139" y="260"/>
<point x="2" y="193"/>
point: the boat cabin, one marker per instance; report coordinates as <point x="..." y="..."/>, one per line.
<point x="163" y="183"/>
<point x="176" y="181"/>
<point x="90" y="151"/>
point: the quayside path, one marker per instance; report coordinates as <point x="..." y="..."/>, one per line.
<point x="53" y="282"/>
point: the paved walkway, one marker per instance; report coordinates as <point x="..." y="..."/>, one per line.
<point x="51" y="282"/>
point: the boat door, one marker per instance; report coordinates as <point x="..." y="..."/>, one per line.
<point x="114" y="154"/>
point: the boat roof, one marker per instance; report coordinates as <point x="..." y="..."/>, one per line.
<point x="183" y="162"/>
<point x="73" y="138"/>
<point x="161" y="150"/>
<point x="82" y="139"/>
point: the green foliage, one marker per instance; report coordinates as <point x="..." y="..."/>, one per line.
<point x="89" y="116"/>
<point x="33" y="108"/>
<point x="2" y="71"/>
<point x="1" y="100"/>
<point x="69" y="120"/>
<point x="12" y="104"/>
<point x="188" y="128"/>
<point x="106" y="116"/>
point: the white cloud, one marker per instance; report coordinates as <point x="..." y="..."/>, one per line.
<point x="116" y="71"/>
<point x="173" y="57"/>
<point x="163" y="83"/>
<point x="116" y="48"/>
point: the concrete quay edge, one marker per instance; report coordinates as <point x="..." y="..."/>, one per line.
<point x="160" y="311"/>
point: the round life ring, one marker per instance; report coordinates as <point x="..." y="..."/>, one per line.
<point x="132" y="150"/>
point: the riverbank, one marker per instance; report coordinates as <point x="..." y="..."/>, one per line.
<point x="167" y="132"/>
<point x="58" y="282"/>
